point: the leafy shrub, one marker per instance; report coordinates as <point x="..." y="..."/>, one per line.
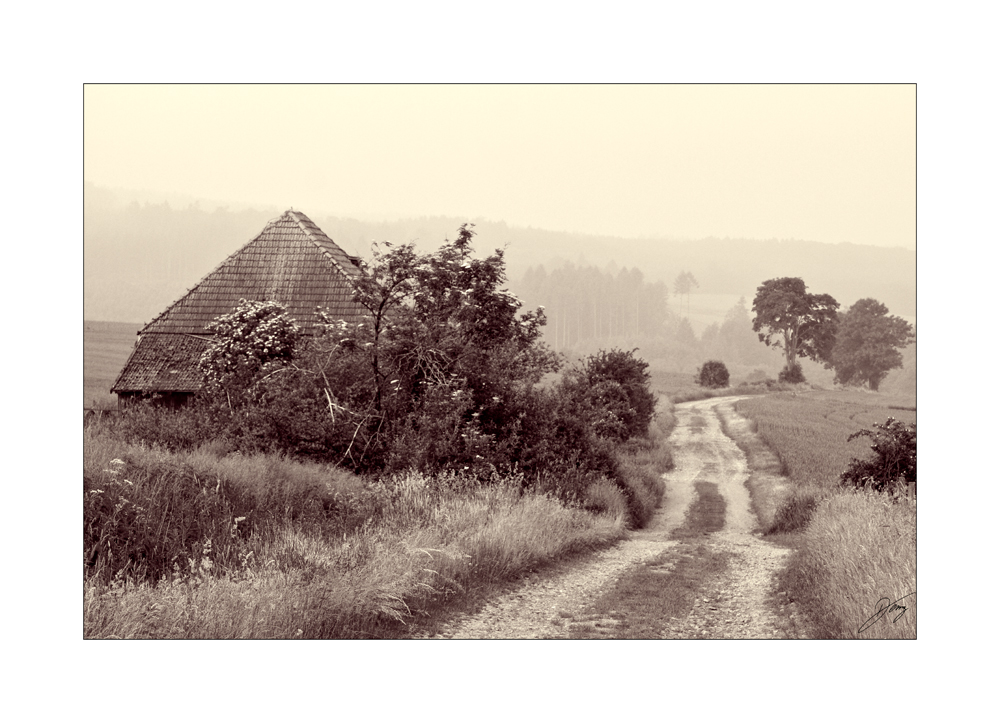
<point x="713" y="375"/>
<point x="630" y="373"/>
<point x="611" y="392"/>
<point x="894" y="465"/>
<point x="254" y="339"/>
<point x="792" y="374"/>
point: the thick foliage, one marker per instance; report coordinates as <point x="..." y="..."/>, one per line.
<point x="256" y="339"/>
<point x="443" y="375"/>
<point x="713" y="375"/>
<point x="894" y="464"/>
<point x="803" y="325"/>
<point x="868" y="343"/>
<point x="791" y="374"/>
<point x="611" y="391"/>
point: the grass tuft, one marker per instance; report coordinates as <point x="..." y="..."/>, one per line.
<point x="795" y="513"/>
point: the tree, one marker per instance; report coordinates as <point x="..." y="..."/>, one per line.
<point x="611" y="389"/>
<point x="803" y="325"/>
<point x="713" y="375"/>
<point x="684" y="284"/>
<point x="868" y="343"/>
<point x="449" y="353"/>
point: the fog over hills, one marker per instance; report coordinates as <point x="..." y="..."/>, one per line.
<point x="138" y="258"/>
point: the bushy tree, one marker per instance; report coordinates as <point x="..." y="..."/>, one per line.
<point x="868" y="343"/>
<point x="801" y="324"/>
<point x="254" y="340"/>
<point x="446" y="341"/>
<point x="713" y="375"/>
<point x="612" y="391"/>
<point x="443" y="373"/>
<point x="895" y="460"/>
<point x="792" y="374"/>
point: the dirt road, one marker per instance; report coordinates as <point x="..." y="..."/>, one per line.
<point x="700" y="561"/>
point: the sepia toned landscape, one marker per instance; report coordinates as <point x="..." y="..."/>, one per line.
<point x="344" y="423"/>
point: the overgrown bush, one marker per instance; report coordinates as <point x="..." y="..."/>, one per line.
<point x="151" y="422"/>
<point x="610" y="390"/>
<point x="442" y="375"/>
<point x="713" y="375"/>
<point x="894" y="464"/>
<point x="792" y="374"/>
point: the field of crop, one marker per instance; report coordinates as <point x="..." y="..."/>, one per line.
<point x="106" y="346"/>
<point x="809" y="430"/>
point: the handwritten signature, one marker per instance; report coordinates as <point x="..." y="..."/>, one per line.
<point x="882" y="608"/>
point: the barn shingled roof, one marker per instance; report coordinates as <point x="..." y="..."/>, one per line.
<point x="291" y="261"/>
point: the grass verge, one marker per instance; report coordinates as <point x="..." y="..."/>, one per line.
<point x="858" y="556"/>
<point x="199" y="545"/>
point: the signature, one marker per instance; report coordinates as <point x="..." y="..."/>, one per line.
<point x="883" y="607"/>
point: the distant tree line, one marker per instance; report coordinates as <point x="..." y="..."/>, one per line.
<point x="585" y="304"/>
<point x="140" y="256"/>
<point x="587" y="307"/>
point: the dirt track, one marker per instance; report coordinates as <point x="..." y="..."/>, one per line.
<point x="705" y="514"/>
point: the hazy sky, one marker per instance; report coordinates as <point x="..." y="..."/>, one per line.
<point x="832" y="163"/>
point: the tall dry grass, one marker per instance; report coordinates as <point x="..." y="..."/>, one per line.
<point x="146" y="508"/>
<point x="298" y="569"/>
<point x="859" y="556"/>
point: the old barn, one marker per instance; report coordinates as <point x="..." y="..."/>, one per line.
<point x="291" y="262"/>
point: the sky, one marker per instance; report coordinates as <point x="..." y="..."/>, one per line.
<point x="829" y="163"/>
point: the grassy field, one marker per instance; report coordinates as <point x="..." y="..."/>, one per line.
<point x="106" y="346"/>
<point x="808" y="430"/>
<point x="855" y="552"/>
